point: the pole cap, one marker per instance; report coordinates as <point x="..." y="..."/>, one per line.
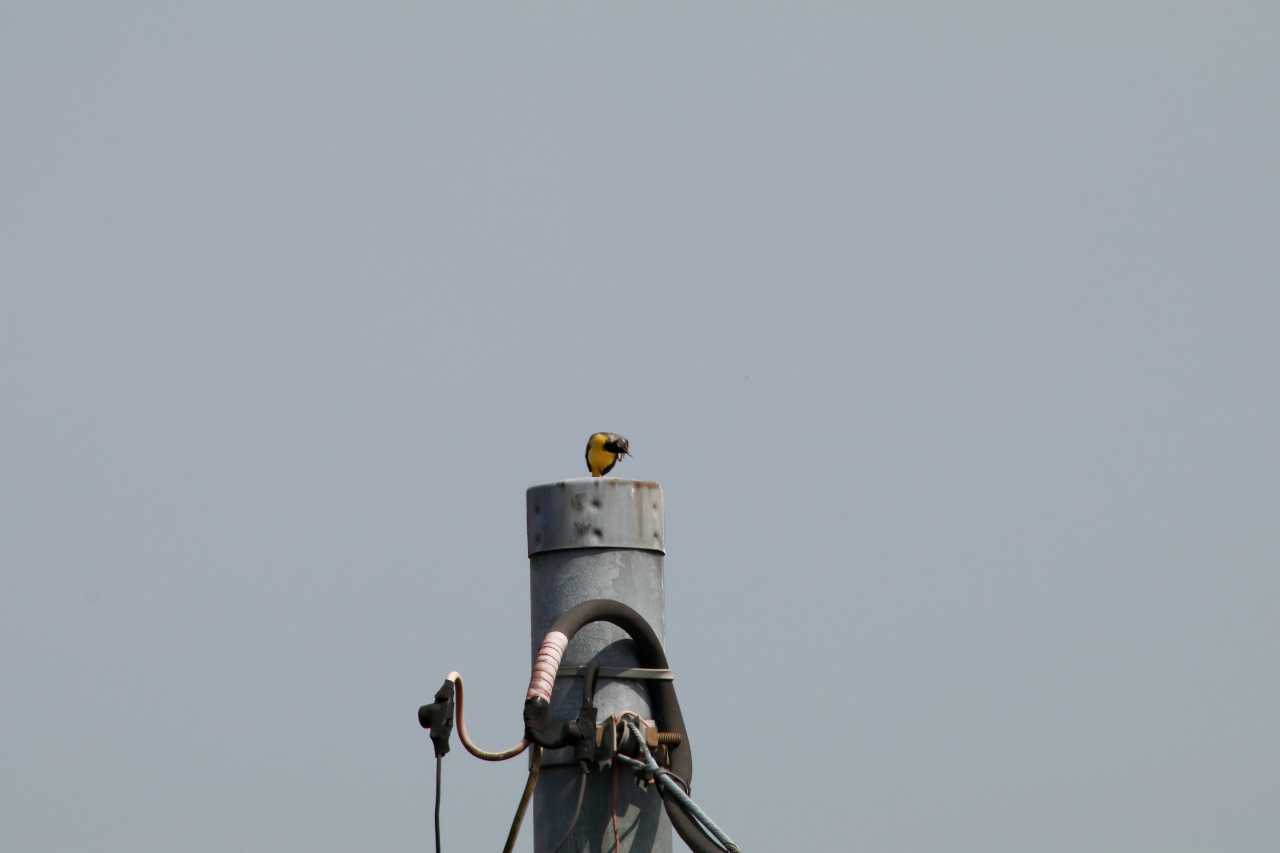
<point x="595" y="512"/>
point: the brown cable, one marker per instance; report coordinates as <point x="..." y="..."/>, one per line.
<point x="613" y="811"/>
<point x="483" y="755"/>
<point x="535" y="766"/>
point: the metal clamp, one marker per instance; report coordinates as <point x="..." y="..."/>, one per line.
<point x="630" y="673"/>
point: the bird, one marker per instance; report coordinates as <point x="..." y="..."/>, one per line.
<point x="604" y="449"/>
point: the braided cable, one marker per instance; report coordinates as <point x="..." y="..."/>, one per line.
<point x="665" y="781"/>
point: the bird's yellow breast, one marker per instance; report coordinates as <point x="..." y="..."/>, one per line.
<point x="599" y="460"/>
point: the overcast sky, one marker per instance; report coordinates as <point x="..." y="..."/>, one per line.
<point x="950" y="331"/>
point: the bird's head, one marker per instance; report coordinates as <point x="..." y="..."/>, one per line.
<point x="618" y="444"/>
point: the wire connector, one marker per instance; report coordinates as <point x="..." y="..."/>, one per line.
<point x="437" y="718"/>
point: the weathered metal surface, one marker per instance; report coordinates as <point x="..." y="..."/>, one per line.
<point x="596" y="538"/>
<point x="595" y="512"/>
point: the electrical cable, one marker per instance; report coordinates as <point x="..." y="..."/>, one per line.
<point x="666" y="705"/>
<point x="535" y="766"/>
<point x="642" y="770"/>
<point x="439" y="764"/>
<point x="666" y="786"/>
<point x="683" y="784"/>
<point x="482" y="754"/>
<point x="577" y="811"/>
<point x="692" y="825"/>
<point x="613" y="811"/>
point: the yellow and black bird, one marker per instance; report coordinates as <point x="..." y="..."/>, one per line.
<point x="603" y="451"/>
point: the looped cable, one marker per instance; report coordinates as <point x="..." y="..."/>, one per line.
<point x="482" y="754"/>
<point x="648" y="775"/>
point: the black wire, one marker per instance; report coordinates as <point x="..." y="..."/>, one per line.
<point x="577" y="810"/>
<point x="439" y="764"/>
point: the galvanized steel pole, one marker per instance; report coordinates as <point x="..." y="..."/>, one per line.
<point x="596" y="538"/>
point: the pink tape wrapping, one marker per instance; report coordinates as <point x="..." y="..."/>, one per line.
<point x="545" y="664"/>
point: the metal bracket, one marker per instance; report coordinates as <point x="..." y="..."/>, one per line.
<point x="653" y="739"/>
<point x="630" y="673"/>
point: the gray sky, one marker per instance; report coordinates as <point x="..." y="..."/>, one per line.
<point x="950" y="331"/>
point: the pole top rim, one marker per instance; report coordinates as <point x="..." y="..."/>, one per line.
<point x="595" y="512"/>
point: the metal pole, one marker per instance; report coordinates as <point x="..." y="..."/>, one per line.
<point x="595" y="538"/>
